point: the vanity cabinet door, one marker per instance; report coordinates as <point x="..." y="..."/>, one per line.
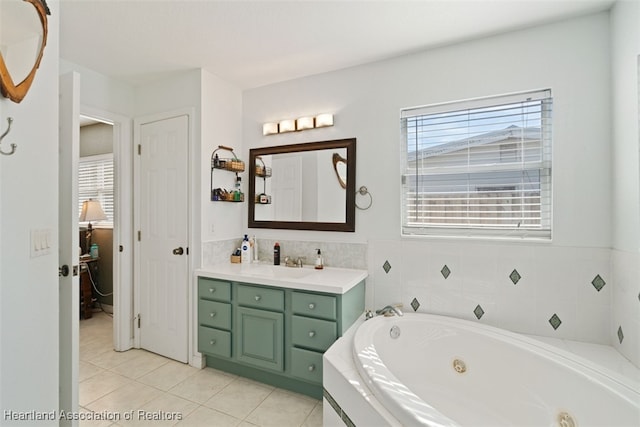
<point x="306" y="365"/>
<point x="214" y="341"/>
<point x="214" y="289"/>
<point x="314" y="305"/>
<point x="314" y="334"/>
<point x="260" y="338"/>
<point x="261" y="297"/>
<point x="214" y="314"/>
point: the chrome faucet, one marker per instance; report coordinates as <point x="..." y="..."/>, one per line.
<point x="290" y="262"/>
<point x="390" y="310"/>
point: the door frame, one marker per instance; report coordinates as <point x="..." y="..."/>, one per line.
<point x="122" y="225"/>
<point x="191" y="240"/>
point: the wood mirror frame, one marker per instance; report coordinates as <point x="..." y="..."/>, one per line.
<point x="17" y="92"/>
<point x="349" y="225"/>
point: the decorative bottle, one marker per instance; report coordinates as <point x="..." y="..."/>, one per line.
<point x="245" y="250"/>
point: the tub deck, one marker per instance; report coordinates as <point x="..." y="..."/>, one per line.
<point x="348" y="398"/>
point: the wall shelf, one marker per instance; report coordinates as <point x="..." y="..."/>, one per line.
<point x="228" y="164"/>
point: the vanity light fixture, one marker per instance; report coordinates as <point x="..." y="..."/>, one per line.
<point x="324" y="120"/>
<point x="288" y="125"/>
<point x="303" y="123"/>
<point x="269" y="128"/>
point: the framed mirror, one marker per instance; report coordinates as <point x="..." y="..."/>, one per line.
<point x="23" y="36"/>
<point x="300" y="186"/>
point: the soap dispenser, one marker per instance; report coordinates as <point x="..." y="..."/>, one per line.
<point x="319" y="263"/>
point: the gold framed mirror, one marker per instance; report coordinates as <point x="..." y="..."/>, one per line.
<point x="23" y="36"/>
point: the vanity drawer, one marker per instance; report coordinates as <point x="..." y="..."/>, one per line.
<point x="306" y="365"/>
<point x="214" y="314"/>
<point x="261" y="297"/>
<point x="313" y="333"/>
<point x="214" y="341"/>
<point x="214" y="289"/>
<point x="314" y="305"/>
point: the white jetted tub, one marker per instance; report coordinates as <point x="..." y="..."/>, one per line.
<point x="440" y="371"/>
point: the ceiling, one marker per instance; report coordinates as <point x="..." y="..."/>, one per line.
<point x="256" y="43"/>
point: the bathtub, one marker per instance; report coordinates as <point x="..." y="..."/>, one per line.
<point x="440" y="371"/>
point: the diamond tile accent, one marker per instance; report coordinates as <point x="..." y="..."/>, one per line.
<point x="555" y="321"/>
<point x="515" y="276"/>
<point x="445" y="271"/>
<point x="620" y="334"/>
<point x="479" y="312"/>
<point x="598" y="283"/>
<point x="415" y="304"/>
<point x="386" y="267"/>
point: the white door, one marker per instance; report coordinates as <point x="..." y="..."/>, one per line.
<point x="69" y="148"/>
<point x="287" y="188"/>
<point x="163" y="235"/>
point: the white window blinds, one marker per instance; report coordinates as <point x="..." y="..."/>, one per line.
<point x="95" y="181"/>
<point x="479" y="167"/>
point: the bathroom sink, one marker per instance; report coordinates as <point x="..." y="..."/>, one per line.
<point x="279" y="272"/>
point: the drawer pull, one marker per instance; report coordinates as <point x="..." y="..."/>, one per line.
<point x="212" y="314"/>
<point x="312" y="368"/>
<point x="258" y="297"/>
<point x="212" y="342"/>
<point x="212" y="290"/>
<point x="312" y="306"/>
<point x="312" y="334"/>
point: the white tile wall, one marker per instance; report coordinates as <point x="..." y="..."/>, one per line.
<point x="553" y="280"/>
<point x="626" y="303"/>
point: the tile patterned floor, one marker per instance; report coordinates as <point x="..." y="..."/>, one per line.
<point x="139" y="384"/>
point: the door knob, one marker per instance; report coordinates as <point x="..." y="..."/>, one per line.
<point x="63" y="271"/>
<point x="178" y="251"/>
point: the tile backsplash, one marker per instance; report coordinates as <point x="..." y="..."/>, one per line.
<point x="342" y="255"/>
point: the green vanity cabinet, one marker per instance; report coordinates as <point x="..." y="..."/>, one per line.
<point x="272" y="334"/>
<point x="214" y="317"/>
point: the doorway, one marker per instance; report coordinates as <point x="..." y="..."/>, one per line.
<point x="104" y="134"/>
<point x="96" y="190"/>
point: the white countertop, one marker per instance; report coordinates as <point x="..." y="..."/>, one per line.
<point x="329" y="279"/>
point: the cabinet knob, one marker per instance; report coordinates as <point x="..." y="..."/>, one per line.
<point x="312" y="368"/>
<point x="212" y="342"/>
<point x="212" y="314"/>
<point x="258" y="297"/>
<point x="312" y="334"/>
<point x="312" y="306"/>
<point x="212" y="290"/>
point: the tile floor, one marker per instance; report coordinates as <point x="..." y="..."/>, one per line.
<point x="116" y="384"/>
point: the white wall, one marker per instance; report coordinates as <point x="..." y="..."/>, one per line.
<point x="29" y="200"/>
<point x="221" y="125"/>
<point x="571" y="58"/>
<point x="101" y="92"/>
<point x="625" y="20"/>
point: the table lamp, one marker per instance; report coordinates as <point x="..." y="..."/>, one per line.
<point x="91" y="211"/>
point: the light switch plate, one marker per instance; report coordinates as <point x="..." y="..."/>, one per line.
<point x="40" y="242"/>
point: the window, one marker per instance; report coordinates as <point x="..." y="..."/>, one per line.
<point x="479" y="167"/>
<point x="95" y="181"/>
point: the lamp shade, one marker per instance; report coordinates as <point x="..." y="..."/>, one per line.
<point x="91" y="211"/>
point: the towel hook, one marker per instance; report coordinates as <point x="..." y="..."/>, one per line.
<point x="363" y="191"/>
<point x="6" y="132"/>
